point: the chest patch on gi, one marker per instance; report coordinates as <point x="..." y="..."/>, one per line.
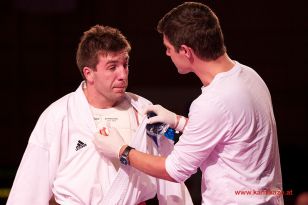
<point x="80" y="145"/>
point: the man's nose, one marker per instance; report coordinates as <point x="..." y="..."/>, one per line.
<point x="123" y="72"/>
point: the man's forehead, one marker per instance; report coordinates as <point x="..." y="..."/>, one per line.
<point x="114" y="56"/>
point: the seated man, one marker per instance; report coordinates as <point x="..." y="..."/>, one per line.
<point x="61" y="164"/>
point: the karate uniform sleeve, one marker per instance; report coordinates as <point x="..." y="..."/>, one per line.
<point x="31" y="184"/>
<point x="33" y="180"/>
<point x="171" y="193"/>
<point x="207" y="126"/>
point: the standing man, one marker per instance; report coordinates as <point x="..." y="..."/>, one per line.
<point x="231" y="132"/>
<point x="61" y="164"/>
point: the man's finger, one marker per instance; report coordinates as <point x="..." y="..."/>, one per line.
<point x="154" y="119"/>
<point x="104" y="131"/>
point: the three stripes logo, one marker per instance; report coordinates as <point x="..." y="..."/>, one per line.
<point x="80" y="145"/>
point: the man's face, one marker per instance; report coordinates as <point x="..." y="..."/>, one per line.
<point x="178" y="59"/>
<point x="110" y="79"/>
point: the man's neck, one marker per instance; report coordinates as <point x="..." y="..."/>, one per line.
<point x="98" y="101"/>
<point x="207" y="70"/>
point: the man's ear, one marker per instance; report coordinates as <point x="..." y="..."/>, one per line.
<point x="188" y="52"/>
<point x="88" y="74"/>
<point x="185" y="50"/>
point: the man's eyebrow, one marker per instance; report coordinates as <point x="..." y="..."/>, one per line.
<point x="112" y="62"/>
<point x="116" y="61"/>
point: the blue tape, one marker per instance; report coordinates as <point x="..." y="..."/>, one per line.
<point x="170" y="133"/>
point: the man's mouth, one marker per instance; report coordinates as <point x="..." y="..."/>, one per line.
<point x="120" y="88"/>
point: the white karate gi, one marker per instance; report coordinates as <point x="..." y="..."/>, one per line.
<point x="61" y="160"/>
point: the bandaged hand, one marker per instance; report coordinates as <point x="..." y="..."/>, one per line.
<point x="109" y="142"/>
<point x="176" y="122"/>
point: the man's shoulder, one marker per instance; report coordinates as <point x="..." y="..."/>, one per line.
<point x="58" y="107"/>
<point x="50" y="123"/>
<point x="138" y="98"/>
<point x="62" y="103"/>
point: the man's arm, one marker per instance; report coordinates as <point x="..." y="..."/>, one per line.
<point x="31" y="178"/>
<point x="112" y="145"/>
<point x="149" y="164"/>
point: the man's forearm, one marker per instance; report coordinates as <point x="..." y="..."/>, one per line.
<point x="149" y="164"/>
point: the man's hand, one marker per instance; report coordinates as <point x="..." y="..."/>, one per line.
<point x="109" y="142"/>
<point x="163" y="115"/>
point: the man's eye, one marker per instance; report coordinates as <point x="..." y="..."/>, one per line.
<point x="112" y="67"/>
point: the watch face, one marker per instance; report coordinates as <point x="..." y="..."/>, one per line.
<point x="123" y="160"/>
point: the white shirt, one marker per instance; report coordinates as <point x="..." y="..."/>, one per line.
<point x="231" y="136"/>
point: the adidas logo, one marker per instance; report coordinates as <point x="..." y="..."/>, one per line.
<point x="80" y="145"/>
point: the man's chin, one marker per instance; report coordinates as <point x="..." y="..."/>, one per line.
<point x="119" y="94"/>
<point x="182" y="72"/>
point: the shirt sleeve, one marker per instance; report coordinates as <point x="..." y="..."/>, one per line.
<point x="207" y="126"/>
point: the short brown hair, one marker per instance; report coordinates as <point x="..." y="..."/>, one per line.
<point x="99" y="40"/>
<point x="195" y="25"/>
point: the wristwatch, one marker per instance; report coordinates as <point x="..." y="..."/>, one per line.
<point x="124" y="157"/>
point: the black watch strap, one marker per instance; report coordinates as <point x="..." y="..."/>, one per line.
<point x="124" y="155"/>
<point x="127" y="150"/>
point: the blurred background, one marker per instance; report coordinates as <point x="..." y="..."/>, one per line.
<point x="38" y="41"/>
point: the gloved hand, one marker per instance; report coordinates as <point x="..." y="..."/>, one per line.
<point x="174" y="121"/>
<point x="109" y="142"/>
<point x="162" y="115"/>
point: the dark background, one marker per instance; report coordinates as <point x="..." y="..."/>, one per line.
<point x="38" y="41"/>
